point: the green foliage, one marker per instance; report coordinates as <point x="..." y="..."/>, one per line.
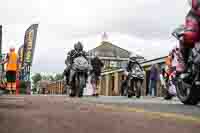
<point x="37" y="77"/>
<point x="34" y="89"/>
<point x="22" y="87"/>
<point x="59" y="77"/>
<point x="53" y="78"/>
<point x="48" y="77"/>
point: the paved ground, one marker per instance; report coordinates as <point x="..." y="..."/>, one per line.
<point x="150" y="104"/>
<point x="50" y="114"/>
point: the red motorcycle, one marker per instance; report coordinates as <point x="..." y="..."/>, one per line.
<point x="188" y="84"/>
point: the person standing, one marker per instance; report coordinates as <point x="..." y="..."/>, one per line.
<point x="97" y="65"/>
<point x="11" y="69"/>
<point x="153" y="80"/>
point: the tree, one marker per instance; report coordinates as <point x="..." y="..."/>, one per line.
<point x="37" y="77"/>
<point x="51" y="78"/>
<point x="22" y="87"/>
<point x="48" y="77"/>
<point x="59" y="77"/>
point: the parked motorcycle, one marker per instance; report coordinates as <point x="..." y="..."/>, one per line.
<point x="188" y="84"/>
<point x="80" y="72"/>
<point x="133" y="83"/>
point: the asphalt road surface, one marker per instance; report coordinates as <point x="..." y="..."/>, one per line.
<point x="59" y="114"/>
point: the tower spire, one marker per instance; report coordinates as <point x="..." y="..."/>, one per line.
<point x="104" y="36"/>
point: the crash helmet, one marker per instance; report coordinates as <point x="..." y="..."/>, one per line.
<point x="78" y="46"/>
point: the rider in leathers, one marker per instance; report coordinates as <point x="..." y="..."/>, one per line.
<point x="130" y="66"/>
<point x="97" y="64"/>
<point x="192" y="33"/>
<point x="76" y="52"/>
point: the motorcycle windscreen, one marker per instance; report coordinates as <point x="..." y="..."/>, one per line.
<point x="179" y="31"/>
<point x="80" y="63"/>
<point x="136" y="69"/>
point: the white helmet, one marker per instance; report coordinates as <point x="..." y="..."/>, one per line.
<point x="12" y="47"/>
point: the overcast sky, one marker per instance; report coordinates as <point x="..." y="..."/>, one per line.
<point x="140" y="26"/>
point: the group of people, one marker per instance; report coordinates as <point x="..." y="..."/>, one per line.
<point x="178" y="57"/>
<point x="173" y="63"/>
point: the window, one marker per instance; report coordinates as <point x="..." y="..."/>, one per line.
<point x="124" y="64"/>
<point x="113" y="64"/>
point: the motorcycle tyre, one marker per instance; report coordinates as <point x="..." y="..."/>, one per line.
<point x="81" y="86"/>
<point x="138" y="89"/>
<point x="192" y="98"/>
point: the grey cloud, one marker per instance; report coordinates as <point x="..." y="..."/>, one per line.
<point x="147" y="22"/>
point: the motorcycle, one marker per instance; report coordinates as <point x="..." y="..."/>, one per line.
<point x="79" y="71"/>
<point x="188" y="84"/>
<point x="134" y="81"/>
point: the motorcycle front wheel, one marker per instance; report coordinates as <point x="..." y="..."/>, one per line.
<point x="187" y="93"/>
<point x="138" y="88"/>
<point x="80" y="85"/>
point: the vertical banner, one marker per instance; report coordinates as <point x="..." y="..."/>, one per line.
<point x="20" y="57"/>
<point x="28" y="50"/>
<point x="29" y="44"/>
<point x="1" y="66"/>
<point x="1" y="40"/>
